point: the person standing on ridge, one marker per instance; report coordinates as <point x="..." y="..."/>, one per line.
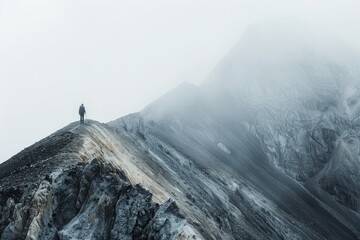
<point x="82" y="113"/>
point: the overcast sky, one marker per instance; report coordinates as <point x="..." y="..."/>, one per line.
<point x="116" y="56"/>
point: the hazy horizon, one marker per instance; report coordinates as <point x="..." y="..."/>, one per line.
<point x="116" y="57"/>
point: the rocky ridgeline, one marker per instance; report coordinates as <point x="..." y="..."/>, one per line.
<point x="266" y="148"/>
<point x="69" y="199"/>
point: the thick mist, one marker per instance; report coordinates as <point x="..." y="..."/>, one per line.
<point x="266" y="145"/>
<point x="117" y="57"/>
<point x="279" y="65"/>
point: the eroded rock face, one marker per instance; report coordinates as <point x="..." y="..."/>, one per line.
<point x="86" y="200"/>
<point x="341" y="176"/>
<point x="298" y="102"/>
<point x="107" y="183"/>
<point x="316" y="146"/>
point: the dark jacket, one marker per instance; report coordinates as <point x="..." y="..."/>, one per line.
<point x="82" y="110"/>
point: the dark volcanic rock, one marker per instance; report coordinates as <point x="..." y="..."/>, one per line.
<point x="48" y="192"/>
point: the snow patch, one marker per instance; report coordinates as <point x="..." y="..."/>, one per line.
<point x="224" y="148"/>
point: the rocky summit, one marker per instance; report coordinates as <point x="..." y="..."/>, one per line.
<point x="267" y="147"/>
<point x="72" y="185"/>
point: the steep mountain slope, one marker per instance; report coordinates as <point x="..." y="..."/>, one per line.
<point x="266" y="148"/>
<point x="282" y="112"/>
<point x="302" y="103"/>
<point x="74" y="185"/>
<point x="252" y="198"/>
<point x="94" y="182"/>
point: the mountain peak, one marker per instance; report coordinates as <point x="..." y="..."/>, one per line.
<point x="271" y="51"/>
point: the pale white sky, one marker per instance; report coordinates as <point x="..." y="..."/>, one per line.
<point x="116" y="56"/>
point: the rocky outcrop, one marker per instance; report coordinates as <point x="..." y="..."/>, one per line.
<point x="82" y="200"/>
<point x="106" y="183"/>
<point x="316" y="147"/>
<point x="340" y="177"/>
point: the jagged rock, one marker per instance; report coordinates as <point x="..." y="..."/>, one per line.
<point x="93" y="200"/>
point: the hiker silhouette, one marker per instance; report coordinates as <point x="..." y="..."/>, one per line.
<point x="82" y="112"/>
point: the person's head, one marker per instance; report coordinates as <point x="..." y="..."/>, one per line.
<point x="82" y="104"/>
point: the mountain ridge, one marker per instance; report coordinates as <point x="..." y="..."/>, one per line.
<point x="91" y="182"/>
<point x="277" y="158"/>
